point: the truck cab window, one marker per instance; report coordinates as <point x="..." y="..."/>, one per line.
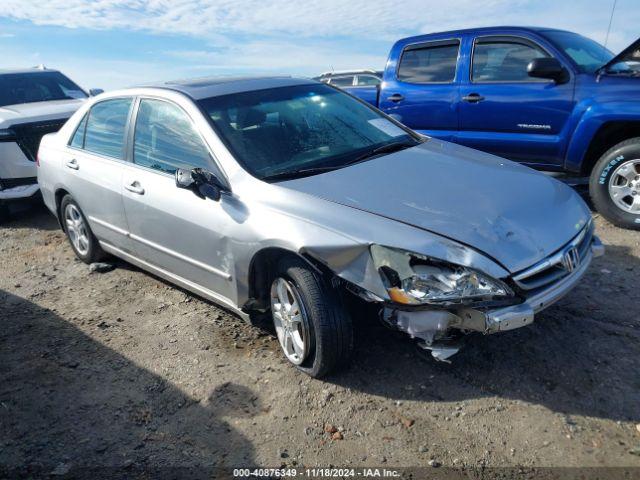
<point x="430" y="63"/>
<point x="504" y="61"/>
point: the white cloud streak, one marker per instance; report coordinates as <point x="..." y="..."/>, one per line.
<point x="305" y="37"/>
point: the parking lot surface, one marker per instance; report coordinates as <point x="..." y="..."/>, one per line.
<point x="120" y="369"/>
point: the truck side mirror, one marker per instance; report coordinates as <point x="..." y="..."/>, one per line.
<point x="95" y="91"/>
<point x="549" y="68"/>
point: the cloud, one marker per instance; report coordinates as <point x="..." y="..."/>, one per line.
<point x="303" y="37"/>
<point x="7" y="35"/>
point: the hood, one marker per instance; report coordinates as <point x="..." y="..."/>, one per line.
<point x="629" y="54"/>
<point x="509" y="212"/>
<point x="36" y="111"/>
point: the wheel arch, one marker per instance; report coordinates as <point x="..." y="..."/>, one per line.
<point x="608" y="135"/>
<point x="261" y="270"/>
<point x="59" y="195"/>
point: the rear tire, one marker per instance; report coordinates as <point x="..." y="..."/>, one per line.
<point x="324" y="327"/>
<point x="82" y="240"/>
<point x="614" y="185"/>
<point x="5" y="214"/>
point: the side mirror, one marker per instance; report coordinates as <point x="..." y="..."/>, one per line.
<point x="203" y="183"/>
<point x="549" y="68"/>
<point x="95" y="91"/>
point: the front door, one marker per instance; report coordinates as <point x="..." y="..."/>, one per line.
<point x="94" y="161"/>
<point x="172" y="228"/>
<point x="505" y="111"/>
<point x="424" y="96"/>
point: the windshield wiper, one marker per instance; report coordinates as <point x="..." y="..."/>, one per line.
<point x="388" y="148"/>
<point x="301" y="172"/>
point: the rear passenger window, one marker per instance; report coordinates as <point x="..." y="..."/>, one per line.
<point x="504" y="60"/>
<point x="431" y="63"/>
<point x="342" y="81"/>
<point x="165" y="139"/>
<point x="78" y="137"/>
<point x="367" y="80"/>
<point x="105" y="128"/>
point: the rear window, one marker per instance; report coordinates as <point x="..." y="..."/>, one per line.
<point x="429" y="63"/>
<point x="106" y="124"/>
<point x="30" y="87"/>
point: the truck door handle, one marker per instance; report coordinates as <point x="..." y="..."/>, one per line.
<point x="473" y="98"/>
<point x="72" y="164"/>
<point x="135" y="187"/>
<point x="396" y="97"/>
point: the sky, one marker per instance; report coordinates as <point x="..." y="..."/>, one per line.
<point x="116" y="43"/>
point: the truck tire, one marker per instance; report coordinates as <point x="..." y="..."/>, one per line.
<point x="84" y="243"/>
<point x="312" y="326"/>
<point x="614" y="185"/>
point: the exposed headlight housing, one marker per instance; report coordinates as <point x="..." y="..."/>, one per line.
<point x="414" y="279"/>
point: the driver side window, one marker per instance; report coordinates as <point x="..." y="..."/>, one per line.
<point x="165" y="139"/>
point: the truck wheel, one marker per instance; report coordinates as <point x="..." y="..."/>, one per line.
<point x="615" y="184"/>
<point x="312" y="326"/>
<point x="84" y="243"/>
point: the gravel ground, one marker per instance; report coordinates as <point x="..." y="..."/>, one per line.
<point x="123" y="369"/>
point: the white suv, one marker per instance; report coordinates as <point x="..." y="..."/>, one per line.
<point x="33" y="102"/>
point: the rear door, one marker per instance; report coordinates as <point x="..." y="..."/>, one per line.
<point x="423" y="92"/>
<point x="94" y="163"/>
<point x="171" y="228"/>
<point x="506" y="112"/>
<point x="366" y="87"/>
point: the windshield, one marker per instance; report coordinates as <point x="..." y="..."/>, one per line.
<point x="587" y="54"/>
<point x="32" y="87"/>
<point x="301" y="130"/>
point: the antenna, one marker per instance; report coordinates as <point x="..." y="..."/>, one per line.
<point x="613" y="9"/>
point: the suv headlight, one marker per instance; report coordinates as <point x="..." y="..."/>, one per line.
<point x="7" y="135"/>
<point x="413" y="279"/>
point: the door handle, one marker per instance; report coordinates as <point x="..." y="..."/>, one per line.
<point x="72" y="164"/>
<point x="473" y="98"/>
<point x="135" y="187"/>
<point x="396" y="97"/>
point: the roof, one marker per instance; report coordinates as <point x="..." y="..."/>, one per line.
<point x="198" y="88"/>
<point x="28" y="70"/>
<point x="348" y="72"/>
<point x="483" y="30"/>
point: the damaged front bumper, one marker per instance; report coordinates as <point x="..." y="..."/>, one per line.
<point x="433" y="327"/>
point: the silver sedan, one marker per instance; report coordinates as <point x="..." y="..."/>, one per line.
<point x="286" y="197"/>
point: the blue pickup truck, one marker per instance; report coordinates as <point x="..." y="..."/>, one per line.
<point x="551" y="99"/>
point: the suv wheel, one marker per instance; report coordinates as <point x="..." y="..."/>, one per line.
<point x="312" y="326"/>
<point x="615" y="184"/>
<point x="84" y="243"/>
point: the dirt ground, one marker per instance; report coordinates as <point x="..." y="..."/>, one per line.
<point x="122" y="369"/>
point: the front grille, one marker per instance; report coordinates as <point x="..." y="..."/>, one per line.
<point x="559" y="264"/>
<point x="28" y="135"/>
<point x="6" y="183"/>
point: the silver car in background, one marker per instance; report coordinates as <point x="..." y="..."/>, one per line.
<point x="287" y="197"/>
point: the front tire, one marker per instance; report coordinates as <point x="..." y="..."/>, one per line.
<point x="615" y="184"/>
<point x="82" y="240"/>
<point x="313" y="328"/>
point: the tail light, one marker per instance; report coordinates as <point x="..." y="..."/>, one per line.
<point x="38" y="159"/>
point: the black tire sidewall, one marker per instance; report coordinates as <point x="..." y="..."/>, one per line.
<point x="94" y="252"/>
<point x="329" y="324"/>
<point x="599" y="183"/>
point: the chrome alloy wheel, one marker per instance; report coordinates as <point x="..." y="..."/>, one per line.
<point x="624" y="186"/>
<point x="76" y="229"/>
<point x="290" y="320"/>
